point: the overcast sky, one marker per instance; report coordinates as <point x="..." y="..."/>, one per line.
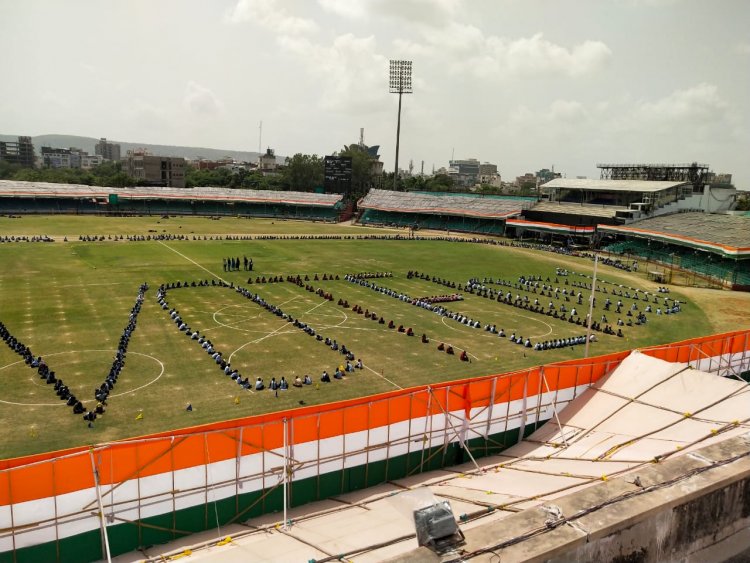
<point x="524" y="84"/>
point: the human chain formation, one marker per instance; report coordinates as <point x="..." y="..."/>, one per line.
<point x="63" y="391"/>
<point x="298" y="279"/>
<point x="534" y="285"/>
<point x="438" y="309"/>
<point x="225" y="366"/>
<point x="45" y="373"/>
<point x="102" y="392"/>
<point x="613" y="262"/>
<point x="473" y="286"/>
<point x="23" y="238"/>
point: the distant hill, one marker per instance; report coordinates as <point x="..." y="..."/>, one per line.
<point x="88" y="144"/>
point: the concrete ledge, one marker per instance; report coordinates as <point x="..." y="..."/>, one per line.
<point x="706" y="512"/>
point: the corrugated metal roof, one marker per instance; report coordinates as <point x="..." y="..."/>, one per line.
<point x="12" y="188"/>
<point x="729" y="232"/>
<point x="417" y="202"/>
<point x="611" y="185"/>
<point x="578" y="209"/>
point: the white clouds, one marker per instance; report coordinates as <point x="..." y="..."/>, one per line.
<point x="691" y="123"/>
<point x="536" y="55"/>
<point x="557" y="117"/>
<point x="679" y="112"/>
<point x="353" y="9"/>
<point x="697" y="105"/>
<point x="271" y="15"/>
<point x="442" y="32"/>
<point x="200" y="100"/>
<point x="351" y="74"/>
<point x="465" y="49"/>
<point x="414" y="12"/>
<point x="524" y="57"/>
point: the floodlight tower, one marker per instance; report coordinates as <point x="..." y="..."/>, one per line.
<point x="399" y="83"/>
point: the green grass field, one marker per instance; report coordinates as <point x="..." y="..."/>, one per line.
<point x="69" y="302"/>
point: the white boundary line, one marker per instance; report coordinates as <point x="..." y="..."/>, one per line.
<point x="191" y="260"/>
<point x="256" y="340"/>
<point x="382" y="376"/>
<point x="79" y="352"/>
<point x="524" y="316"/>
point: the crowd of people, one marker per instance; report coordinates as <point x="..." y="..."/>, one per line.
<point x="434" y="279"/>
<point x="24" y="238"/>
<point x="224" y="364"/>
<point x="102" y="392"/>
<point x="439" y="309"/>
<point x="64" y="393"/>
<point x="563" y="342"/>
<point x="43" y="370"/>
<point x="233" y="264"/>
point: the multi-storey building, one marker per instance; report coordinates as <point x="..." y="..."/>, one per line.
<point x="168" y="171"/>
<point x="69" y="158"/>
<point x="107" y="150"/>
<point x="488" y="175"/>
<point x="465" y="173"/>
<point x="267" y="161"/>
<point x="21" y="152"/>
<point x="60" y="158"/>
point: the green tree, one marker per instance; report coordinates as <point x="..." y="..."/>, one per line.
<point x="527" y="188"/>
<point x="8" y="170"/>
<point x="413" y="183"/>
<point x="303" y="172"/>
<point x="440" y="183"/>
<point x="488" y="189"/>
<point x="362" y="177"/>
<point x="254" y="180"/>
<point x="218" y="177"/>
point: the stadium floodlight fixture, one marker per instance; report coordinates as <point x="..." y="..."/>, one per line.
<point x="400" y="77"/>
<point x="399" y="83"/>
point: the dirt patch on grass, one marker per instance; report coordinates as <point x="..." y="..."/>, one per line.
<point x="725" y="310"/>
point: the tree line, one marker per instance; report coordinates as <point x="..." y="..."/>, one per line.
<point x="106" y="174"/>
<point x="301" y="172"/>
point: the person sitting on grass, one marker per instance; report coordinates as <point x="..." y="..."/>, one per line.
<point x="338" y="374"/>
<point x="297" y="382"/>
<point x="449" y="350"/>
<point x="273" y="385"/>
<point x="441" y="346"/>
<point x="283" y="385"/>
<point x="307" y="380"/>
<point x="391" y="324"/>
<point x="325" y="378"/>
<point x="359" y="364"/>
<point x="464" y="356"/>
<point x="425" y="340"/>
<point x="409" y="332"/>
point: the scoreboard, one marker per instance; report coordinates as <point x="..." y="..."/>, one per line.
<point x="337" y="175"/>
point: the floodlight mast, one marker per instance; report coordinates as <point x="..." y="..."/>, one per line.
<point x="399" y="83"/>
